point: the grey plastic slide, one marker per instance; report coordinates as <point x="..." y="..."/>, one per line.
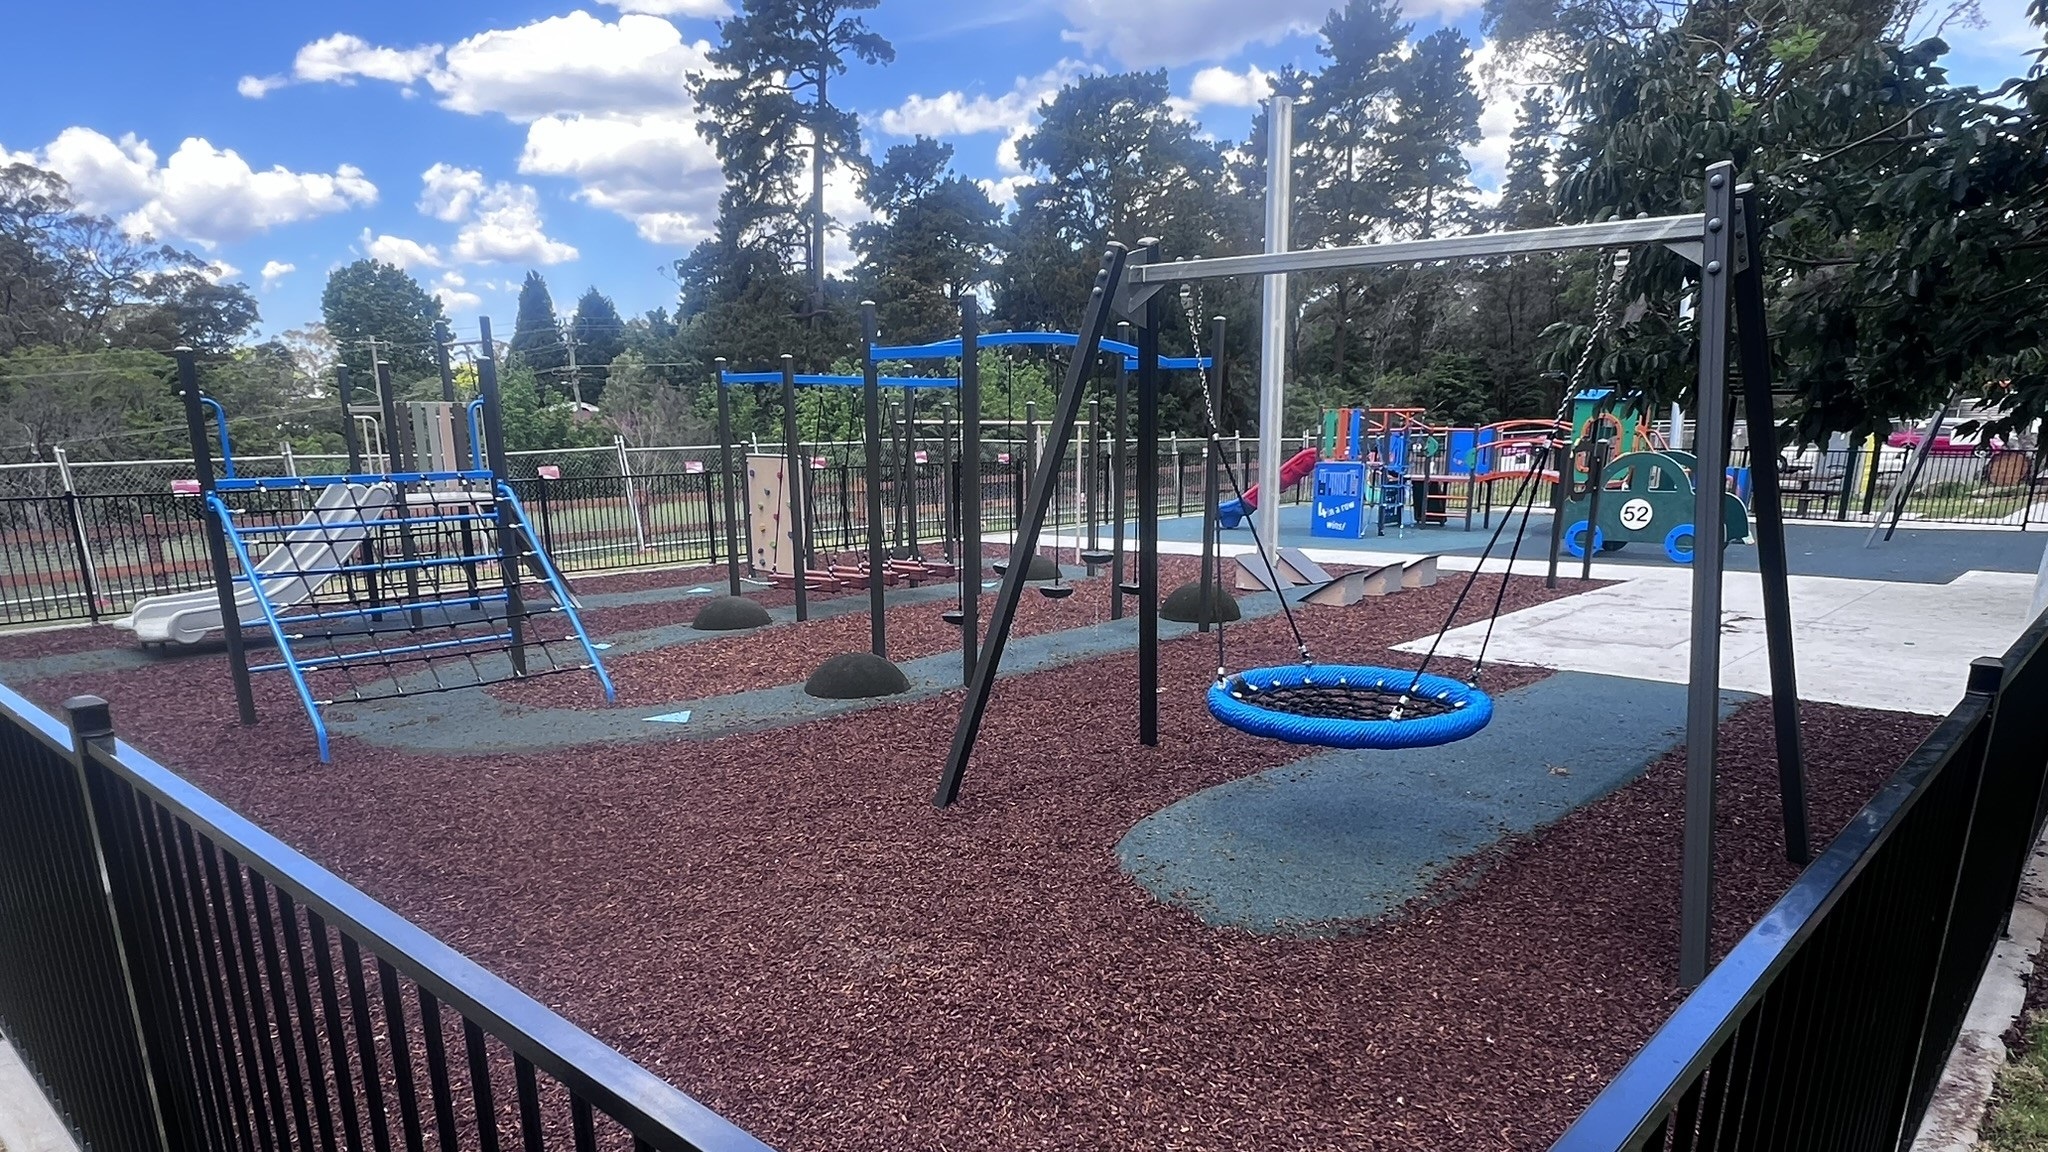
<point x="325" y="540"/>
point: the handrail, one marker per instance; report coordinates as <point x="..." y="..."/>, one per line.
<point x="220" y="421"/>
<point x="656" y="1111"/>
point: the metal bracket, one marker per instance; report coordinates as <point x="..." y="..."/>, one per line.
<point x="1692" y="250"/>
<point x="1132" y="296"/>
<point x="1740" y="255"/>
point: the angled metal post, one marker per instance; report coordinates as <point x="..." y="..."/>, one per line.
<point x="725" y="479"/>
<point x="1753" y="351"/>
<point x="871" y="397"/>
<point x="970" y="485"/>
<point x="1703" y="689"/>
<point x="1095" y="320"/>
<point x="799" y="491"/>
<point x="216" y="537"/>
<point x="1117" y="460"/>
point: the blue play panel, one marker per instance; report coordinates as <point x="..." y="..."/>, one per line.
<point x="1341" y="839"/>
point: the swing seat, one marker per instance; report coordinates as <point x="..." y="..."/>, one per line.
<point x="1349" y="706"/>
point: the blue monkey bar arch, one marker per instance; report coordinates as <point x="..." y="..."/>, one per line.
<point x="950" y="349"/>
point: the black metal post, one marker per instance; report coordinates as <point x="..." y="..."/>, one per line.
<point x="1116" y="483"/>
<point x="92" y="729"/>
<point x="216" y="536"/>
<point x="1088" y="474"/>
<point x="1561" y="456"/>
<point x="871" y="395"/>
<point x="1148" y="517"/>
<point x="725" y="477"/>
<point x="906" y="466"/>
<point x="1094" y="322"/>
<point x="396" y="457"/>
<point x="1211" y="481"/>
<point x="509" y="546"/>
<point x="949" y="480"/>
<point x="1703" y="687"/>
<point x="347" y="389"/>
<point x="1753" y="352"/>
<point x="970" y="485"/>
<point x="1848" y="481"/>
<point x="799" y="492"/>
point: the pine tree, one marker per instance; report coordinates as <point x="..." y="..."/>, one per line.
<point x="1435" y="116"/>
<point x="1525" y="186"/>
<point x="931" y="241"/>
<point x="537" y="336"/>
<point x="598" y="336"/>
<point x="770" y="117"/>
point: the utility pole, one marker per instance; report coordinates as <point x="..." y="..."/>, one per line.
<point x="575" y="381"/>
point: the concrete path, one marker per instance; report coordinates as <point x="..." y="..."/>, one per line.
<point x="1343" y="837"/>
<point x="1899" y="647"/>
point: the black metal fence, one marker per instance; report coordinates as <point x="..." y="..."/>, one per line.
<point x="1828" y="1025"/>
<point x="178" y="979"/>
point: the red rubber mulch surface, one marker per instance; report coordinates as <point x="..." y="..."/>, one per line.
<point x="29" y="645"/>
<point x="781" y="924"/>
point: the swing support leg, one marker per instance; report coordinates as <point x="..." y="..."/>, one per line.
<point x="1095" y="321"/>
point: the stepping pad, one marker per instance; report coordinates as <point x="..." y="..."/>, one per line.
<point x="1342" y="838"/>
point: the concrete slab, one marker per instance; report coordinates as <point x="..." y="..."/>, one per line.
<point x="28" y="1123"/>
<point x="1344" y="837"/>
<point x="1901" y="647"/>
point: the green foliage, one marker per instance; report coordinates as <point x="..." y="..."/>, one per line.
<point x="532" y="423"/>
<point x="933" y="239"/>
<point x="2017" y="1120"/>
<point x="649" y="410"/>
<point x="369" y="300"/>
<point x="73" y="280"/>
<point x="598" y="336"/>
<point x="537" y="336"/>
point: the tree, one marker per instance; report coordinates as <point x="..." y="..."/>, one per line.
<point x="537" y="337"/>
<point x="931" y="242"/>
<point x="1525" y="185"/>
<point x="1435" y="116"/>
<point x="372" y="301"/>
<point x="72" y="280"/>
<point x="598" y="336"/>
<point x="769" y="115"/>
<point x="648" y="411"/>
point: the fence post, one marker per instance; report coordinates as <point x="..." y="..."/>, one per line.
<point x="1180" y="487"/>
<point x="632" y="503"/>
<point x="91" y="724"/>
<point x="80" y="542"/>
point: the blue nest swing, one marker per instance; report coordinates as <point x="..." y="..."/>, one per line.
<point x="1350" y="706"/>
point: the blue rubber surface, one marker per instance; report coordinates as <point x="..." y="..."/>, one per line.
<point x="1235" y="701"/>
<point x="1339" y="839"/>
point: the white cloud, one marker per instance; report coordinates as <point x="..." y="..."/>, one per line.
<point x="702" y="9"/>
<point x="653" y="169"/>
<point x="448" y="192"/>
<point x="1502" y="85"/>
<point x="1217" y="85"/>
<point x="407" y="254"/>
<point x="343" y="59"/>
<point x="450" y="289"/>
<point x="219" y="270"/>
<point x="955" y="113"/>
<point x="507" y="227"/>
<point x="203" y="194"/>
<point x="275" y="270"/>
<point x="570" y="64"/>
<point x="1175" y="32"/>
<point x="1003" y="189"/>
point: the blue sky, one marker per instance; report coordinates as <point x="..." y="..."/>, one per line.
<point x="470" y="142"/>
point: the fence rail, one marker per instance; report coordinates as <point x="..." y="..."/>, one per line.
<point x="1828" y="1024"/>
<point x="178" y="979"/>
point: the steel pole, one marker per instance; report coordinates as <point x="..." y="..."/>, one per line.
<point x="871" y="396"/>
<point x="1703" y="688"/>
<point x="970" y="484"/>
<point x="1273" y="313"/>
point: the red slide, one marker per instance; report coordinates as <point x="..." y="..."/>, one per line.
<point x="1292" y="472"/>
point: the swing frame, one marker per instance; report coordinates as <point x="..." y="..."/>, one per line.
<point x="1723" y="240"/>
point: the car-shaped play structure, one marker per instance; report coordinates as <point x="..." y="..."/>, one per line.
<point x="1646" y="497"/>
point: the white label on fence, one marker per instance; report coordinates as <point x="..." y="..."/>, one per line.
<point x="549" y="472"/>
<point x="923" y="457"/>
<point x="1002" y="457"/>
<point x="185" y="487"/>
<point x="693" y="467"/>
<point x="1635" y="515"/>
<point x="818" y="463"/>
